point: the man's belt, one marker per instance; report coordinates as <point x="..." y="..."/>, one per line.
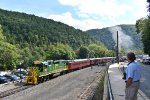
<point x="137" y="81"/>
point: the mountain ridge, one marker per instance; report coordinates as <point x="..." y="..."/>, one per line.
<point x="128" y="37"/>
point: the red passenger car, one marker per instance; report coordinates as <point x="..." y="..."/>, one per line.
<point x="98" y="61"/>
<point x="107" y="59"/>
<point x="79" y="63"/>
<point x="92" y="61"/>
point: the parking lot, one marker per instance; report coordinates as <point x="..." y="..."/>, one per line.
<point x="12" y="77"/>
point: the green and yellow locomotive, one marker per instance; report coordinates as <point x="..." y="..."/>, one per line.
<point x="42" y="71"/>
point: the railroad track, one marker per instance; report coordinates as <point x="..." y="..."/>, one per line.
<point x="88" y="93"/>
<point x="13" y="91"/>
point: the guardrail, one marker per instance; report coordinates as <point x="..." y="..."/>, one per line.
<point x="107" y="88"/>
<point x="110" y="95"/>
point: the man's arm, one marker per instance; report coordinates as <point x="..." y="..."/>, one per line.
<point x="129" y="82"/>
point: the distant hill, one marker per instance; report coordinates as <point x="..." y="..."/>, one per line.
<point x="30" y="30"/>
<point x="128" y="37"/>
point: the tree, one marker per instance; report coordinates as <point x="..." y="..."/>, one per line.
<point x="122" y="52"/>
<point x="109" y="53"/>
<point x="60" y="51"/>
<point x="8" y="53"/>
<point x="143" y="27"/>
<point x="83" y="52"/>
<point x="96" y="50"/>
<point x="2" y="37"/>
<point x="26" y="57"/>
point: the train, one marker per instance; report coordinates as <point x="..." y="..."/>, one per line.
<point x="41" y="71"/>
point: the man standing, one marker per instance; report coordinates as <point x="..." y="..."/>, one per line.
<point x="133" y="76"/>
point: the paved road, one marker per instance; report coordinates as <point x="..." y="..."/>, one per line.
<point x="66" y="87"/>
<point x="145" y="81"/>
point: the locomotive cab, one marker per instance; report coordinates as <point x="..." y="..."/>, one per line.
<point x="32" y="75"/>
<point x="38" y="71"/>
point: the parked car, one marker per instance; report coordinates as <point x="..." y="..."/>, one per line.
<point x="3" y="79"/>
<point x="20" y="75"/>
<point x="12" y="77"/>
<point x="146" y="60"/>
<point x="21" y="72"/>
<point x="122" y="59"/>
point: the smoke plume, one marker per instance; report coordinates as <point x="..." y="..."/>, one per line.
<point x="125" y="41"/>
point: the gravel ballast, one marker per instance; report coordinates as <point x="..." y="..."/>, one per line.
<point x="77" y="85"/>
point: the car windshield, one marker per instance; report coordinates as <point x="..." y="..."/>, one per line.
<point x="3" y="78"/>
<point x="14" y="76"/>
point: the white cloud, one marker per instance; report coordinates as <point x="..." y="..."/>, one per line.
<point x="80" y="24"/>
<point x="98" y="7"/>
<point x="139" y="9"/>
<point x="101" y="13"/>
<point x="65" y="18"/>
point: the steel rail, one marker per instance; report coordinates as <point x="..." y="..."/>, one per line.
<point x="13" y="91"/>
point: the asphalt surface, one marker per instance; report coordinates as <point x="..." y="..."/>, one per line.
<point x="145" y="81"/>
<point x="70" y="86"/>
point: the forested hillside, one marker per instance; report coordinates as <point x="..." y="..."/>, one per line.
<point x="23" y="29"/>
<point x="128" y="37"/>
<point x="29" y="38"/>
<point x="103" y="35"/>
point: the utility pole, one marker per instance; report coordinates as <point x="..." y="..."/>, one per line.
<point x="117" y="49"/>
<point x="20" y="72"/>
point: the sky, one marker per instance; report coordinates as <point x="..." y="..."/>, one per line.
<point x="82" y="14"/>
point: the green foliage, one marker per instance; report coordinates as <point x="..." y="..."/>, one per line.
<point x="96" y="51"/>
<point x="34" y="36"/>
<point x="25" y="38"/>
<point x="26" y="56"/>
<point x="83" y="52"/>
<point x="60" y="51"/>
<point x="109" y="53"/>
<point x="20" y="28"/>
<point x="104" y="36"/>
<point x="122" y="52"/>
<point x="2" y="37"/>
<point x="143" y="26"/>
<point x="8" y="54"/>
